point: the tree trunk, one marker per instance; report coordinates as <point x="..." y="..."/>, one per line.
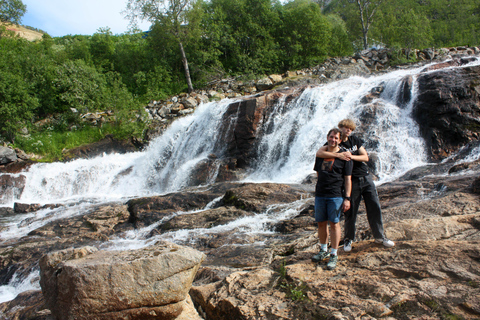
<point x="185" y="66"/>
<point x="365" y="40"/>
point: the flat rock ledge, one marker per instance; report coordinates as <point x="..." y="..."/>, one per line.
<point x="149" y="283"/>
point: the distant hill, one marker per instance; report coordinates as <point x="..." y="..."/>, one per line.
<point x="24" y="32"/>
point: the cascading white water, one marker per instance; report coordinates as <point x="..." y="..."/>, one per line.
<point x="286" y="148"/>
<point x="163" y="167"/>
<point x="286" y="151"/>
<point x="296" y="131"/>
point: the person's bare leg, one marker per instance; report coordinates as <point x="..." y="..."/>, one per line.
<point x="335" y="234"/>
<point x="323" y="232"/>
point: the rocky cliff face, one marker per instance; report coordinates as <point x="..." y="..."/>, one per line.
<point x="448" y="109"/>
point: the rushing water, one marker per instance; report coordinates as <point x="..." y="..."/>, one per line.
<point x="286" y="148"/>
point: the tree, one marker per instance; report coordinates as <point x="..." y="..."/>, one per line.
<point x="243" y="32"/>
<point x="405" y="28"/>
<point x="339" y="43"/>
<point x="172" y="14"/>
<point x="367" y="10"/>
<point x="12" y="11"/>
<point x="17" y="104"/>
<point x="102" y="48"/>
<point x="306" y="34"/>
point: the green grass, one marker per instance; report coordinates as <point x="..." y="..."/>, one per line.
<point x="51" y="144"/>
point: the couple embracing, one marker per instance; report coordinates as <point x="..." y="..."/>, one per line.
<point x="343" y="179"/>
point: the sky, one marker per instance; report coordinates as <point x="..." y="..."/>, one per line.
<point x="85" y="17"/>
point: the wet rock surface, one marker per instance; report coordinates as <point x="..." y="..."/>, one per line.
<point x="448" y="109"/>
<point x="433" y="269"/>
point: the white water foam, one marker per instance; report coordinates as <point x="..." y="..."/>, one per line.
<point x="249" y="225"/>
<point x="18" y="285"/>
<point x="296" y="131"/>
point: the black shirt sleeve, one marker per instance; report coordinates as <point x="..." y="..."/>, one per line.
<point x="347" y="170"/>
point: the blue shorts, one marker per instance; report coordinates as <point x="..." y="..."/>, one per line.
<point x="328" y="209"/>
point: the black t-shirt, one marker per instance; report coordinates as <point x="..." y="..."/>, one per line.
<point x="353" y="144"/>
<point x="331" y="174"/>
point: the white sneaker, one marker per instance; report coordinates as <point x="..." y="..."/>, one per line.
<point x="387" y="243"/>
<point x="347" y="245"/>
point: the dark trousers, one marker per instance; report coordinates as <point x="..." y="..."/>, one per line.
<point x="364" y="187"/>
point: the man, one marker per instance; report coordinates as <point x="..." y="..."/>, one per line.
<point x="362" y="186"/>
<point x="334" y="175"/>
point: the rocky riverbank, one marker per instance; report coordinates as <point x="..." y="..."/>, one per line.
<point x="433" y="270"/>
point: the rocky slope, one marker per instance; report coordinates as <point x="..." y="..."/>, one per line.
<point x="23" y="32"/>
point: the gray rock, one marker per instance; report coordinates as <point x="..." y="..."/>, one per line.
<point x="7" y="155"/>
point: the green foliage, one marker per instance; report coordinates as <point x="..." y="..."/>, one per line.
<point x="295" y="292"/>
<point x="17" y="104"/>
<point x="417" y="24"/>
<point x="12" y="10"/>
<point x="17" y="99"/>
<point x="306" y="34"/>
<point x="78" y="86"/>
<point x="405" y="28"/>
<point x="220" y="38"/>
<point x="102" y="48"/>
<point x="50" y="143"/>
<point x="340" y="44"/>
<point x="242" y="30"/>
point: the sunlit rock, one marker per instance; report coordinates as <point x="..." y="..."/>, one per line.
<point x="137" y="284"/>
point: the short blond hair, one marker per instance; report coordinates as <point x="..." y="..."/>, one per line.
<point x="347" y="123"/>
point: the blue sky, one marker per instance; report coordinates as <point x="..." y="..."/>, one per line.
<point x="62" y="17"/>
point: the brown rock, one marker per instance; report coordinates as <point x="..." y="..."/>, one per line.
<point x="204" y="219"/>
<point x="448" y="109"/>
<point x="145" y="211"/>
<point x="27" y="305"/>
<point x="149" y="283"/>
<point x="257" y="197"/>
<point x="11" y="187"/>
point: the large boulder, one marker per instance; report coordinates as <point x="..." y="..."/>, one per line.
<point x="150" y="283"/>
<point x="448" y="109"/>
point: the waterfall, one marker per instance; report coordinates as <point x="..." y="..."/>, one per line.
<point x="294" y="132"/>
<point x="164" y="166"/>
<point x="286" y="144"/>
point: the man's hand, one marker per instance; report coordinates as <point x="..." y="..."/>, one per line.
<point x="346" y="205"/>
<point x="347" y="156"/>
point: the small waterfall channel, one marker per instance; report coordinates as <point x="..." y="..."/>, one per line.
<point x="286" y="147"/>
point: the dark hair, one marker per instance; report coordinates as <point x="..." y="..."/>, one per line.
<point x="336" y="130"/>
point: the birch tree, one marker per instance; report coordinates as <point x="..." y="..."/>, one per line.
<point x="171" y="14"/>
<point x="367" y="10"/>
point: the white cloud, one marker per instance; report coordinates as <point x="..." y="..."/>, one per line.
<point x="62" y="17"/>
